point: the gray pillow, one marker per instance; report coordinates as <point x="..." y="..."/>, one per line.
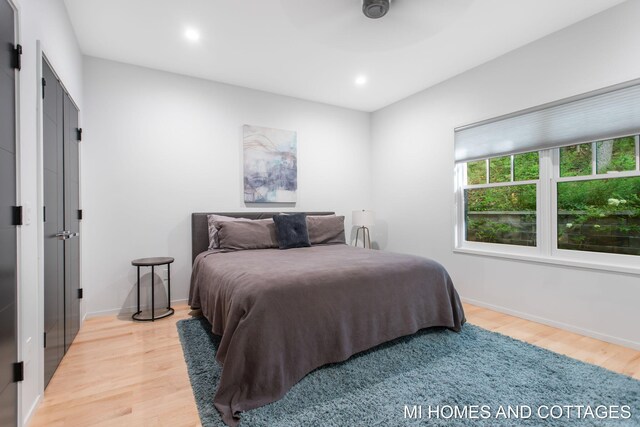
<point x="240" y="235"/>
<point x="325" y="229"/>
<point x="213" y="230"/>
<point x="291" y="230"/>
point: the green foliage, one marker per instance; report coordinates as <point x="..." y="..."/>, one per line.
<point x="605" y="206"/>
<point x="595" y="194"/>
<point x="526" y="166"/>
<point x="488" y="231"/>
<point x="504" y="199"/>
<point x="500" y="169"/>
<point x="515" y="229"/>
<point x="576" y="160"/>
<point x="477" y="172"/>
<point x="622" y="158"/>
<point x="611" y="155"/>
<point x="599" y="214"/>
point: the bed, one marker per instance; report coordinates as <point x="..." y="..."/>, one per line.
<point x="283" y="313"/>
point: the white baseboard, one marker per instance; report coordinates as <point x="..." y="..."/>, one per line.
<point x="32" y="411"/>
<point x="567" y="327"/>
<point x="131" y="309"/>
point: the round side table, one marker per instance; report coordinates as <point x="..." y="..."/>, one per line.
<point x="153" y="262"/>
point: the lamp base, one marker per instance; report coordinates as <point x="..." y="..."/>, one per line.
<point x="366" y="237"/>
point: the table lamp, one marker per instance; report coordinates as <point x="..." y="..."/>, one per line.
<point x="363" y="220"/>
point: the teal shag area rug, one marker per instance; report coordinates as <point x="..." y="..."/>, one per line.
<point x="435" y="377"/>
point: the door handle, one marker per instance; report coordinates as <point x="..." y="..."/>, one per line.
<point x="65" y="235"/>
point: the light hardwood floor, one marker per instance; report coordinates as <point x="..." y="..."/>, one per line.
<point x="121" y="373"/>
<point x="124" y="373"/>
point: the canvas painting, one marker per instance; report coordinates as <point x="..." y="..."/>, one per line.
<point x="270" y="165"/>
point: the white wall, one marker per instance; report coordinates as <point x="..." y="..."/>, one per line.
<point x="159" y="146"/>
<point x="412" y="167"/>
<point x="46" y="21"/>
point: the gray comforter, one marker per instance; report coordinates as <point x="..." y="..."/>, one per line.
<point x="283" y="313"/>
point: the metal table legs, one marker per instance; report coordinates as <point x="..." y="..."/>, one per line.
<point x="170" y="311"/>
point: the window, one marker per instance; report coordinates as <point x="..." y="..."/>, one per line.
<point x="598" y="197"/>
<point x="557" y="183"/>
<point x="559" y="202"/>
<point x="500" y="200"/>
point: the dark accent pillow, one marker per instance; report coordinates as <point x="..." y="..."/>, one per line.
<point x="325" y="229"/>
<point x="291" y="231"/>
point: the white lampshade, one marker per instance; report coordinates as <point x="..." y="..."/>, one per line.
<point x="363" y="218"/>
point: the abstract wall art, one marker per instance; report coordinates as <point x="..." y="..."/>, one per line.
<point x="270" y="165"/>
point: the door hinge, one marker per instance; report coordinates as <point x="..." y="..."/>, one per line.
<point x="44" y="84"/>
<point x="18" y="372"/>
<point x="44" y="214"/>
<point x="79" y="134"/>
<point x="17" y="215"/>
<point x="80" y="293"/>
<point x="17" y="57"/>
<point x="45" y="340"/>
<point x="79" y="214"/>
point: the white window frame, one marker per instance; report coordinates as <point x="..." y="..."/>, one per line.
<point x="547" y="250"/>
<point x="588" y="256"/>
<point x="492" y="247"/>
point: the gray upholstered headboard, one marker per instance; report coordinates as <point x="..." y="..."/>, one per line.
<point x="200" y="227"/>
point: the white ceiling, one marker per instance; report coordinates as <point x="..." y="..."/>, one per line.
<point x="296" y="48"/>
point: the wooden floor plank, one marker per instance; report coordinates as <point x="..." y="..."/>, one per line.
<point x="122" y="373"/>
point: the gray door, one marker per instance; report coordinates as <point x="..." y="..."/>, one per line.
<point x="8" y="249"/>
<point x="53" y="176"/>
<point x="71" y="222"/>
<point x="61" y="226"/>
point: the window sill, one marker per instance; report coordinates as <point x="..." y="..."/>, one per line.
<point x="564" y="262"/>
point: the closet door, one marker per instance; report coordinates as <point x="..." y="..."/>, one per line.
<point x="8" y="249"/>
<point x="53" y="176"/>
<point x="61" y="227"/>
<point x="71" y="222"/>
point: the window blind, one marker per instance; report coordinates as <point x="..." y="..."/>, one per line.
<point x="607" y="113"/>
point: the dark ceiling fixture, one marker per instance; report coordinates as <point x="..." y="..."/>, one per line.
<point x="375" y="9"/>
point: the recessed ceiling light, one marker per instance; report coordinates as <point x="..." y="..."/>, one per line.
<point x="192" y="34"/>
<point x="361" y="80"/>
